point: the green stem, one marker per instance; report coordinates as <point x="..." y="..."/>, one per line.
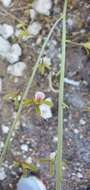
<point x="74" y="43"/>
<point x="8" y="142"/>
<point x="60" y="106"/>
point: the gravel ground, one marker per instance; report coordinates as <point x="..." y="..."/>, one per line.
<point x="36" y="137"/>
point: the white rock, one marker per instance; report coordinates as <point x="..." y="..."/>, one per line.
<point x="53" y="155"/>
<point x="5" y="129"/>
<point x="55" y="139"/>
<point x="82" y="121"/>
<point x="79" y="175"/>
<point x="2" y="174"/>
<point x="0" y="85"/>
<point x="71" y="82"/>
<point x="34" y="28"/>
<point x="32" y="182"/>
<point x="46" y="61"/>
<point x="6" y="30"/>
<point x="4" y="47"/>
<point x="14" y="53"/>
<point x="16" y="69"/>
<point x="42" y="6"/>
<point x="32" y="14"/>
<point x="17" y="32"/>
<point x="24" y="147"/>
<point x="70" y="22"/>
<point x="29" y="160"/>
<point x="76" y="131"/>
<point x="6" y="3"/>
<point x="1" y="145"/>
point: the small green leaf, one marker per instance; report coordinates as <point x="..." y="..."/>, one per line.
<point x="86" y="45"/>
<point x="21" y="25"/>
<point x="41" y="68"/>
<point x="10" y="96"/>
<point x="16" y="103"/>
<point x="65" y="106"/>
<point x="37" y="109"/>
<point x="47" y="102"/>
<point x="25" y="167"/>
<point x="28" y="102"/>
<point x="24" y="33"/>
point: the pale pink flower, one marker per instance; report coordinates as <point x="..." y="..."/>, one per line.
<point x="39" y="96"/>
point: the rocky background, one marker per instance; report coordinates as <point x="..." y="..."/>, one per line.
<point x="24" y="26"/>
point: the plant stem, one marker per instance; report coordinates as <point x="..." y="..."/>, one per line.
<point x="8" y="142"/>
<point x="60" y="106"/>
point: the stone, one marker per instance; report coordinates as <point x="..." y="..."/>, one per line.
<point x="0" y="85"/>
<point x="32" y="182"/>
<point x="4" y="47"/>
<point x="34" y="28"/>
<point x="76" y="131"/>
<point x="82" y="121"/>
<point x="32" y="14"/>
<point x="24" y="147"/>
<point x="5" y="129"/>
<point x="52" y="155"/>
<point x="42" y="6"/>
<point x="1" y="145"/>
<point x="55" y="139"/>
<point x="6" y="30"/>
<point x="76" y="100"/>
<point x="6" y="3"/>
<point x="29" y="160"/>
<point x="16" y="69"/>
<point x="14" y="53"/>
<point x="79" y="175"/>
<point x="2" y="174"/>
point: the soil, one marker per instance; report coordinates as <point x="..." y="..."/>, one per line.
<point x="40" y="134"/>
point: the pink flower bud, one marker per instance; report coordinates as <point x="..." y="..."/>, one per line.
<point x="39" y="96"/>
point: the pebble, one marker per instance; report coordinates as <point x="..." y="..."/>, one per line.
<point x="42" y="6"/>
<point x="6" y="30"/>
<point x="14" y="53"/>
<point x="2" y="174"/>
<point x="34" y="28"/>
<point x="82" y="121"/>
<point x="32" y="14"/>
<point x="46" y="61"/>
<point x="75" y="100"/>
<point x="31" y="182"/>
<point x="71" y="82"/>
<point x="0" y="85"/>
<point x="52" y="155"/>
<point x="76" y="131"/>
<point x="6" y="3"/>
<point x="24" y="147"/>
<point x="5" y="129"/>
<point x="29" y="160"/>
<point x="1" y="145"/>
<point x="79" y="175"/>
<point x="55" y="139"/>
<point x="4" y="47"/>
<point x="16" y="69"/>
